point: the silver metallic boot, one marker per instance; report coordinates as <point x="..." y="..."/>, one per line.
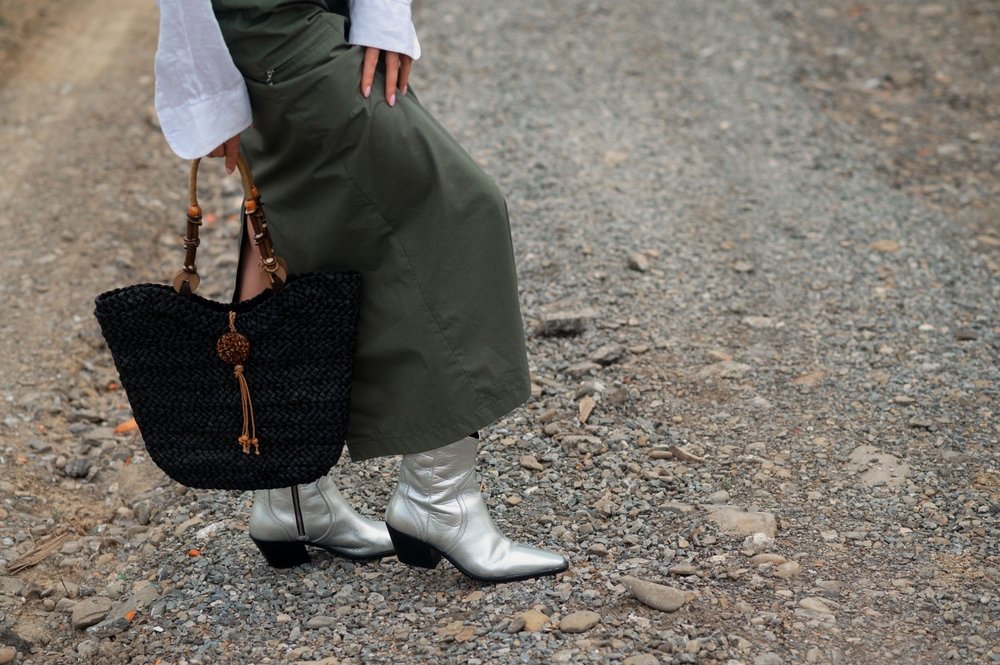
<point x="437" y="511"/>
<point x="284" y="521"/>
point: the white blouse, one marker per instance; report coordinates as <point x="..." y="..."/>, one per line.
<point x="201" y="99"/>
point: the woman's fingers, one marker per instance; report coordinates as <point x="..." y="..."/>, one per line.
<point x="232" y="148"/>
<point x="397" y="73"/>
<point x="391" y="76"/>
<point x="368" y="70"/>
<point x="405" y="64"/>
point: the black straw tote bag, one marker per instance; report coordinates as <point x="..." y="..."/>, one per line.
<point x="237" y="396"/>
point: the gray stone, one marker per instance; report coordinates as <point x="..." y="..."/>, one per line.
<point x="65" y="605"/>
<point x="40" y="447"/>
<point x="581" y="369"/>
<point x="11" y="585"/>
<point x="109" y="627"/>
<point x="78" y="467"/>
<point x="814" y="655"/>
<point x="183" y="527"/>
<point x="683" y="569"/>
<point x="99" y="435"/>
<point x="87" y="649"/>
<point x="637" y="261"/>
<point x="564" y="323"/>
<point x="84" y="415"/>
<point x="116" y="589"/>
<point x="531" y="463"/>
<point x="725" y="370"/>
<point x="657" y="596"/>
<point x="774" y="559"/>
<point x="901" y="77"/>
<point x="677" y="508"/>
<point x="588" y="388"/>
<point x="138" y="601"/>
<point x="876" y="467"/>
<point x="9" y="638"/>
<point x="722" y="496"/>
<point x="90" y="612"/>
<point x="835" y="586"/>
<point x="759" y="321"/>
<point x="320" y="622"/>
<point x="642" y="659"/>
<point x="608" y="355"/>
<point x="618" y="397"/>
<point x="582" y="444"/>
<point x="736" y="521"/>
<point x="769" y="658"/>
<point x="579" y="622"/>
<point x="143" y="512"/>
<point x="815" y="605"/>
<point x="951" y="456"/>
<point x="789" y="569"/>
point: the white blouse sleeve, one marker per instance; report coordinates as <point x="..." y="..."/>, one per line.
<point x="201" y="98"/>
<point x="384" y="24"/>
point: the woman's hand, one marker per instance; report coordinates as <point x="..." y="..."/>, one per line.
<point x="397" y="73"/>
<point x="230" y="150"/>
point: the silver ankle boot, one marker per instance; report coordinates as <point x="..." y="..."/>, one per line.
<point x="437" y="511"/>
<point x="284" y="521"/>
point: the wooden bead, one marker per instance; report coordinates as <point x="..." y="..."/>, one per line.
<point x="233" y="348"/>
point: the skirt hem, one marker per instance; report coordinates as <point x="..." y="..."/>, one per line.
<point x="410" y="444"/>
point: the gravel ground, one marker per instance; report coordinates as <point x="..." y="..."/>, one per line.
<point x="762" y="334"/>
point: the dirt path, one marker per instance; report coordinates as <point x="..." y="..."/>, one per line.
<point x="758" y="294"/>
<point x="58" y="144"/>
<point x="78" y="142"/>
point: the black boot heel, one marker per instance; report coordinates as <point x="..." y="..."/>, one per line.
<point x="412" y="552"/>
<point x="282" y="554"/>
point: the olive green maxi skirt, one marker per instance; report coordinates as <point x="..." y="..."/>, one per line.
<point x="352" y="183"/>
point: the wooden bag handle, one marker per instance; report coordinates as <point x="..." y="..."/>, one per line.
<point x="273" y="271"/>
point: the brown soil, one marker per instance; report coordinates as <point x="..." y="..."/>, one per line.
<point x="922" y="81"/>
<point x="19" y="20"/>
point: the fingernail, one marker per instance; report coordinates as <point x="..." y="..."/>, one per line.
<point x="392" y="100"/>
<point x="368" y="91"/>
<point x="405" y="88"/>
<point x="229" y="170"/>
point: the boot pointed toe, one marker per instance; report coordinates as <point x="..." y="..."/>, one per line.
<point x="519" y="562"/>
<point x="437" y="511"/>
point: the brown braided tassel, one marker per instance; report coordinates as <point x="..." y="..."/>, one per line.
<point x="234" y="349"/>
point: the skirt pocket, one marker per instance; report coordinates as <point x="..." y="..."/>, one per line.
<point x="324" y="37"/>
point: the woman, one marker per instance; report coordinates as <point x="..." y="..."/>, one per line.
<point x="356" y="179"/>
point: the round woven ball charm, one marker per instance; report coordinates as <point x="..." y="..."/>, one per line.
<point x="233" y="348"/>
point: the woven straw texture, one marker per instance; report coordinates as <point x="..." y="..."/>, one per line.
<point x="186" y="399"/>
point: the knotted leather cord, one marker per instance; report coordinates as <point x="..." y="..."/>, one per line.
<point x="249" y="436"/>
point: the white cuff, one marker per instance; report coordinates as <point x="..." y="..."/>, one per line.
<point x="199" y="127"/>
<point x="384" y="24"/>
